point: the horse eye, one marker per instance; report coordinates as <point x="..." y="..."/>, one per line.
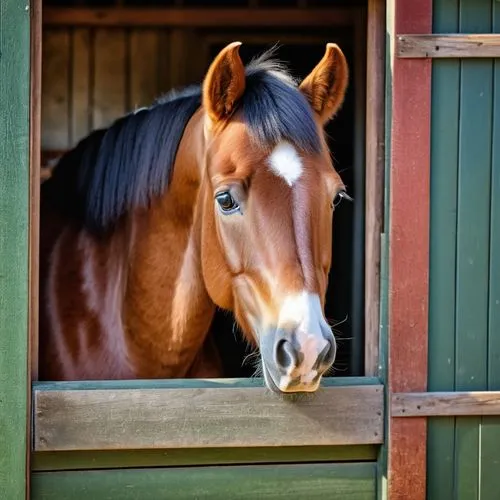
<point x="226" y="202"/>
<point x="339" y="197"/>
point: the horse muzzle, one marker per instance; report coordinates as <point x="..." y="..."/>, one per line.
<point x="294" y="360"/>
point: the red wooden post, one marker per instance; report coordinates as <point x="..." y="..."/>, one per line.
<point x="409" y="250"/>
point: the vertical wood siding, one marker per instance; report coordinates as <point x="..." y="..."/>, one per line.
<point x="14" y="245"/>
<point x="91" y="76"/>
<point x="464" y="312"/>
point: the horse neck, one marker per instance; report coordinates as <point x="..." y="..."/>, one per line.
<point x="167" y="309"/>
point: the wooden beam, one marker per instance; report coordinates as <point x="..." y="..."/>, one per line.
<point x="449" y="45"/>
<point x="14" y="246"/>
<point x="353" y="481"/>
<point x="409" y="249"/>
<point x="88" y="460"/>
<point x="35" y="178"/>
<point x="445" y="404"/>
<point x="216" y="17"/>
<point x="375" y="158"/>
<point x="34" y="213"/>
<point x="204" y="417"/>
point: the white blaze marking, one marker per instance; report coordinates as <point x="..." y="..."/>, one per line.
<point x="286" y="163"/>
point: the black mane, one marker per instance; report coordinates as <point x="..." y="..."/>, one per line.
<point x="116" y="169"/>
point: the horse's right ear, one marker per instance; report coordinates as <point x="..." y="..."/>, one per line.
<point x="224" y="83"/>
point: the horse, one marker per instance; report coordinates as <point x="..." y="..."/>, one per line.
<point x="218" y="195"/>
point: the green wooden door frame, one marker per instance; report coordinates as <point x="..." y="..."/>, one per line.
<point x="14" y="245"/>
<point x="16" y="36"/>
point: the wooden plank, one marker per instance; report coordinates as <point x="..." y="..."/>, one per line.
<point x="443" y="232"/>
<point x="187" y="64"/>
<point x="315" y="481"/>
<point x="449" y="45"/>
<point x="34" y="213"/>
<point x="35" y="174"/>
<point x="81" y="112"/>
<point x="204" y="417"/>
<point x="490" y="427"/>
<point x="55" y="89"/>
<point x="109" y="90"/>
<point x="383" y="457"/>
<point x="189" y="383"/>
<point x="473" y="211"/>
<point x="144" y="64"/>
<point x="189" y="17"/>
<point x="78" y="460"/>
<point x="375" y="157"/>
<point x="14" y="245"/>
<point x="179" y="58"/>
<point x="409" y="251"/>
<point x="442" y="404"/>
<point x="164" y="78"/>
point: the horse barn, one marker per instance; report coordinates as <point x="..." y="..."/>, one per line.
<point x="408" y="93"/>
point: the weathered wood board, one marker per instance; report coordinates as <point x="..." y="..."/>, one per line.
<point x="113" y="419"/>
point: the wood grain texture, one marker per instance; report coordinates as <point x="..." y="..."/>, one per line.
<point x="463" y="451"/>
<point x="35" y="177"/>
<point x="449" y="46"/>
<point x="409" y="251"/>
<point x="81" y="72"/>
<point x="204" y="417"/>
<point x="443" y="231"/>
<point x="34" y="217"/>
<point x="316" y="481"/>
<point x="14" y="245"/>
<point x="86" y="460"/>
<point x="490" y="427"/>
<point x="55" y="89"/>
<point x="109" y="86"/>
<point x="190" y="383"/>
<point x="189" y="17"/>
<point x="442" y="404"/>
<point x="144" y="66"/>
<point x="375" y="157"/>
<point x="473" y="232"/>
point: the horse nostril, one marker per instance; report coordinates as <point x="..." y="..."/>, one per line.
<point x="327" y="355"/>
<point x="285" y="355"/>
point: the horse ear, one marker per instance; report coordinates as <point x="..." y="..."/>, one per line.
<point x="326" y="85"/>
<point x="224" y="83"/>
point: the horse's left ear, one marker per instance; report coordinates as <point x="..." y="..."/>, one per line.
<point x="224" y="83"/>
<point x="326" y="85"/>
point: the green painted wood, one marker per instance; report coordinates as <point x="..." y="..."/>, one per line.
<point x="490" y="430"/>
<point x="443" y="229"/>
<point x="188" y="383"/>
<point x="14" y="210"/>
<point x="78" y="460"/>
<point x="382" y="459"/>
<point x="464" y="318"/>
<point x="319" y="481"/>
<point x="444" y="171"/>
<point x="474" y="177"/>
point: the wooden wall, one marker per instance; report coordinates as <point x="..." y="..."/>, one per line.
<point x="92" y="76"/>
<point x="14" y="246"/>
<point x="464" y="314"/>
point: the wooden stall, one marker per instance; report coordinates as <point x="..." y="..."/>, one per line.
<point x="416" y="412"/>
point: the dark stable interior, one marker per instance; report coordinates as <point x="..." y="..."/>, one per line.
<point x="345" y="295"/>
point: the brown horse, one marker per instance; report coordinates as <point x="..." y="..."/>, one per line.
<point x="220" y="195"/>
